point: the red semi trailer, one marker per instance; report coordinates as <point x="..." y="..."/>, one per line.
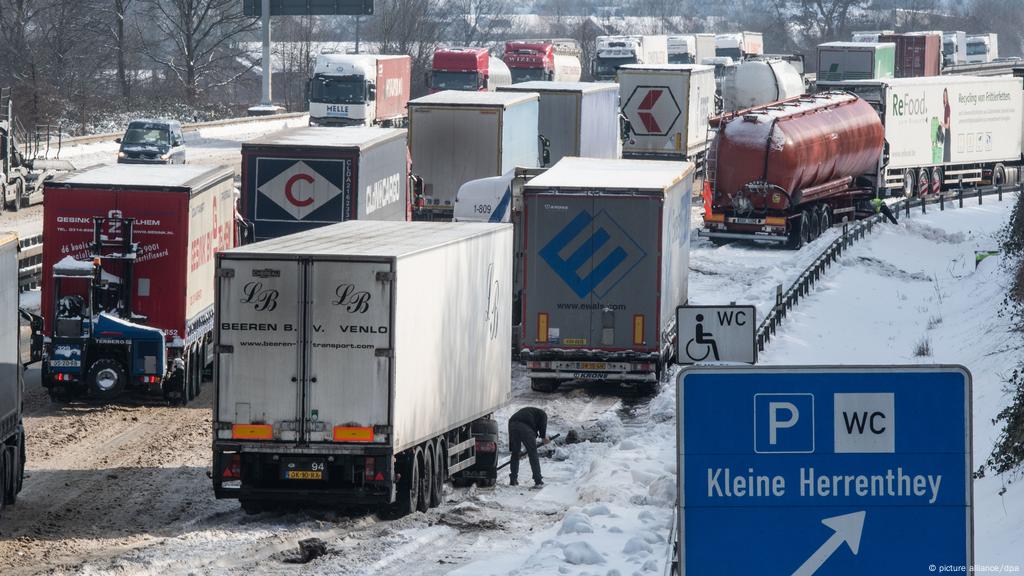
<point x="786" y="171"/>
<point x="128" y="277"/>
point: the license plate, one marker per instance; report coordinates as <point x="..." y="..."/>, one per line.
<point x="593" y="365"/>
<point x="304" y="470"/>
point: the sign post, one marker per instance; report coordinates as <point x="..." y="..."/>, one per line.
<point x="716" y="334"/>
<point x="824" y="470"/>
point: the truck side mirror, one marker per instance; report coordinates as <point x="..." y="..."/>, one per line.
<point x="545" y="150"/>
<point x="371" y="93"/>
<point x="625" y="128"/>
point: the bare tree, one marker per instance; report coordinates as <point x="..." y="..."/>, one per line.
<point x="482" y="22"/>
<point x="297" y="56"/>
<point x="198" y="42"/>
<point x="827" y="20"/>
<point x="413" y="27"/>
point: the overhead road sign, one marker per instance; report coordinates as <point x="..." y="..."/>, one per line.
<point x="843" y="471"/>
<point x="309" y="7"/>
<point x="716" y="334"/>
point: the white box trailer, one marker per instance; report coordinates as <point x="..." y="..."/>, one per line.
<point x="668" y="107"/>
<point x="456" y="136"/>
<point x="350" y="355"/>
<point x="577" y="118"/>
<point x="12" y="432"/>
<point x="929" y="149"/>
<point x="606" y="262"/>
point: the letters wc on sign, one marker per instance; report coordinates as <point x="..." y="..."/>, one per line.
<point x="824" y="470"/>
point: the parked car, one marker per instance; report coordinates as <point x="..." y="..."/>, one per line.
<point x="149" y="141"/>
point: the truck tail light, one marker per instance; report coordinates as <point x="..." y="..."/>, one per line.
<point x="252" y="431"/>
<point x="486" y="446"/>
<point x="368" y="468"/>
<point x="233" y="468"/>
<point x="62" y="377"/>
<point x="149" y="379"/>
<point x="542" y="327"/>
<point x="638" y="329"/>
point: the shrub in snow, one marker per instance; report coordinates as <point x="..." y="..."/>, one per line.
<point x="576" y="523"/>
<point x="923" y="348"/>
<point x="582" y="553"/>
<point x="1008" y="453"/>
<point x="636" y="545"/>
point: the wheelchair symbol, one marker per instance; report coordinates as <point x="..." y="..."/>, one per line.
<point x="701" y="338"/>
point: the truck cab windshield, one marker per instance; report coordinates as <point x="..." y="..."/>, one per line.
<point x="338" y="90"/>
<point x="680" y="58"/>
<point x="528" y="75"/>
<point x="441" y="80"/>
<point x="153" y="135"/>
<point x="733" y="53"/>
<point x="607" y="67"/>
<point x="976" y="49"/>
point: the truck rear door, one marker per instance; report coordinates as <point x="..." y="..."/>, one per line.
<point x="349" y="336"/>
<point x="259" y="325"/>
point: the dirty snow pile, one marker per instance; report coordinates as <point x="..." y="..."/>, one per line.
<point x="913" y="287"/>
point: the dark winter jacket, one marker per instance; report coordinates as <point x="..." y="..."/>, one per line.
<point x="535" y="418"/>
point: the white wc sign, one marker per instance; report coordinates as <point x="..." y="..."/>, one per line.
<point x="716" y="334"/>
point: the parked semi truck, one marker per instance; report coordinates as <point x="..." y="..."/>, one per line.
<point x="337" y="385"/>
<point x="359" y="90"/>
<point x="128" y="273"/>
<point x="666" y="109"/>
<point x="690" y="48"/>
<point x="870" y="35"/>
<point x="954" y="48"/>
<point x="606" y="261"/>
<point x="12" y="389"/>
<point x="302" y="178"/>
<point x="455" y="137"/>
<point x="468" y="69"/>
<point x="839" y="62"/>
<point x="739" y="45"/>
<point x="784" y="172"/>
<point x="576" y="118"/>
<point x="25" y="165"/>
<point x="982" y="48"/>
<point x="615" y="51"/>
<point x="555" y="60"/>
<point x="947" y="130"/>
<point x="758" y="81"/>
<point x="916" y="54"/>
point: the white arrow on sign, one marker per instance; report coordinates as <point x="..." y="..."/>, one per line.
<point x="848" y="528"/>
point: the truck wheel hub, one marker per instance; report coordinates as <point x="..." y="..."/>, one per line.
<point x="106" y="379"/>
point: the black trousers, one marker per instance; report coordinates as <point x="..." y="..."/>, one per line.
<point x="522" y="436"/>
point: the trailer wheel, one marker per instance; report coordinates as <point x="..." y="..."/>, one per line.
<point x="19" y="472"/>
<point x="936" y="181"/>
<point x="426" y="476"/>
<point x="544" y="384"/>
<point x="107" y="378"/>
<point x="909" y="183"/>
<point x="999" y="175"/>
<point x="408" y="487"/>
<point x="5" y="477"/>
<point x="440" y="473"/>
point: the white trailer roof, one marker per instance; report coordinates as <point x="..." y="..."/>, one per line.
<point x="466" y="98"/>
<point x="325" y="137"/>
<point x="369" y="239"/>
<point x="945" y="80"/>
<point x="544" y="86"/>
<point x="598" y="173"/>
<point x="147" y="176"/>
<point x="861" y="45"/>
<point x="667" y="67"/>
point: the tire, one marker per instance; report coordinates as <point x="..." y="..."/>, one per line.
<point x="440" y="476"/>
<point x="922" y="176"/>
<point x="544" y="384"/>
<point x="106" y="379"/>
<point x="825" y="219"/>
<point x="5" y="476"/>
<point x="426" y="477"/>
<point x="806" y="227"/>
<point x="909" y="183"/>
<point x="19" y="472"/>
<point x="815" y="224"/>
<point x="408" y="487"/>
<point x="999" y="174"/>
<point x="486" y="429"/>
<point x="935" y="182"/>
<point x="251" y="507"/>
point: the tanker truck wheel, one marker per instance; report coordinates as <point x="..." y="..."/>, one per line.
<point x="107" y="379"/>
<point x="825" y="217"/>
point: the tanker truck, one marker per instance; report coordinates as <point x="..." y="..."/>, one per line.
<point x="784" y="172"/>
<point x="543" y="60"/>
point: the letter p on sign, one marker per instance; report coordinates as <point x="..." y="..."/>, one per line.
<point x="784" y="423"/>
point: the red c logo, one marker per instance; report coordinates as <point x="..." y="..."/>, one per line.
<point x="288" y="190"/>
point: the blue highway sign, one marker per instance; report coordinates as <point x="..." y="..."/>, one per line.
<point x="841" y="471"/>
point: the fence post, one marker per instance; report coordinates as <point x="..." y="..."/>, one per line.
<point x="906" y="204"/>
<point x="923" y="204"/>
<point x="942" y="202"/>
<point x="1000" y="192"/>
<point x="960" y="194"/>
<point x="978" y="190"/>
<point x="778" y="295"/>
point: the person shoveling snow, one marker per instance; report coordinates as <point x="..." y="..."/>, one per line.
<point x="524" y="428"/>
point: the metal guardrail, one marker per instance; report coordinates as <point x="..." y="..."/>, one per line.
<point x="94" y="138"/>
<point x="30" y="262"/>
<point x="786" y="301"/>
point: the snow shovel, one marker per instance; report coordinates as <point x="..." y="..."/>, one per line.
<point x="522" y="454"/>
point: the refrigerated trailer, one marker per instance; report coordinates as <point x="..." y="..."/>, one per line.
<point x="127" y="296"/>
<point x="926" y="153"/>
<point x="361" y="363"/>
<point x="606" y="262"/>
<point x="359" y="90"/>
<point x="12" y="431"/>
<point x="303" y="178"/>
<point x="455" y="137"/>
<point x="667" y="107"/>
<point x="576" y="118"/>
